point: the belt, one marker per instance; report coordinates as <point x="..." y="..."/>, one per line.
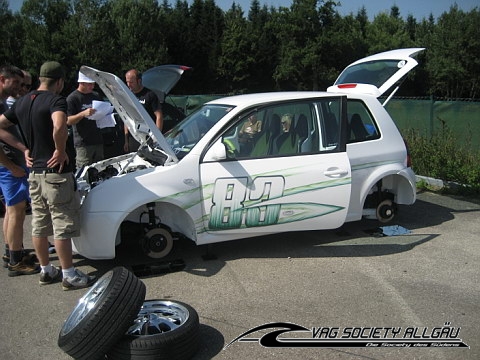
<point x="47" y="171"/>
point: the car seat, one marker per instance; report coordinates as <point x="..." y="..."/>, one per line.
<point x="301" y="129"/>
<point x="331" y="129"/>
<point x="264" y="143"/>
<point x="286" y="142"/>
<point x="357" y="129"/>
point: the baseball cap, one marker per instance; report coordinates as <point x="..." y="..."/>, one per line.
<point x="52" y="69"/>
<point x="84" y="79"/>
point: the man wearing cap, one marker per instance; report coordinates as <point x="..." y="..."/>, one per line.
<point x="87" y="136"/>
<point x="42" y="119"/>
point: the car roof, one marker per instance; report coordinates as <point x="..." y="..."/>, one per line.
<point x="259" y="98"/>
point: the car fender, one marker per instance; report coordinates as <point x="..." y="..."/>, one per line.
<point x="400" y="180"/>
<point x="125" y="197"/>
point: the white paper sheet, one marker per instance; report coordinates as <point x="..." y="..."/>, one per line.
<point x="102" y="109"/>
<point x="106" y="121"/>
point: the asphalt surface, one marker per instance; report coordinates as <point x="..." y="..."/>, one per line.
<point x="344" y="278"/>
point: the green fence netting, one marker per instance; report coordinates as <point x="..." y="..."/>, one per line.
<point x="431" y="117"/>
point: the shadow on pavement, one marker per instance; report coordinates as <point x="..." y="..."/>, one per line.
<point x="353" y="239"/>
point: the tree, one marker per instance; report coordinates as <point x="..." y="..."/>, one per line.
<point x="138" y="31"/>
<point x="206" y="31"/>
<point x="299" y="46"/>
<point x="234" y="61"/>
<point x="88" y="24"/>
<point x="11" y="28"/>
<point x="387" y="32"/>
<point x="42" y="23"/>
<point x="453" y="61"/>
<point x="263" y="48"/>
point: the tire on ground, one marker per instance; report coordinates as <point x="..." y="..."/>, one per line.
<point x="163" y="330"/>
<point x="103" y="315"/>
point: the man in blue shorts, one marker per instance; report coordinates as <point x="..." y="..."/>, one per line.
<point x="13" y="184"/>
<point x="41" y="116"/>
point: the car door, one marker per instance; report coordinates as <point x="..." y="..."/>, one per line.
<point x="301" y="184"/>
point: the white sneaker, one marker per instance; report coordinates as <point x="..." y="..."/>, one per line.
<point x="48" y="278"/>
<point x="79" y="281"/>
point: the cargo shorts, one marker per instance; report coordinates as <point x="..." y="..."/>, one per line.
<point x="55" y="205"/>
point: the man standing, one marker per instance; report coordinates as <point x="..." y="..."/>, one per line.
<point x="42" y="119"/>
<point x="25" y="87"/>
<point x="13" y="184"/>
<point x="87" y="137"/>
<point x="148" y="99"/>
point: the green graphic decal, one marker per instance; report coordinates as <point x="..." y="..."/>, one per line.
<point x="236" y="205"/>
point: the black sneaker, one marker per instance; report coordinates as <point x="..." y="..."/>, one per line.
<point x="22" y="268"/>
<point x="47" y="278"/>
<point x="79" y="281"/>
<point x="6" y="260"/>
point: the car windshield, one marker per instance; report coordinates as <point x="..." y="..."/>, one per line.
<point x="184" y="136"/>
<point x="372" y="72"/>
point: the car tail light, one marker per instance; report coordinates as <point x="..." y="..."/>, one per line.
<point x="409" y="158"/>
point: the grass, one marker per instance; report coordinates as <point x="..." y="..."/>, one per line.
<point x="440" y="156"/>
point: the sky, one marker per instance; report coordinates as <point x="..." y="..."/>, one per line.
<point x="418" y="8"/>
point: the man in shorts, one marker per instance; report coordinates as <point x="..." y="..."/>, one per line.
<point x="42" y="119"/>
<point x="13" y="185"/>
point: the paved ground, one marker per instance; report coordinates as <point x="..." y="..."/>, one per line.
<point x="342" y="278"/>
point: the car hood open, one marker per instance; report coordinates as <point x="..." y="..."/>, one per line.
<point x="376" y="74"/>
<point x="132" y="113"/>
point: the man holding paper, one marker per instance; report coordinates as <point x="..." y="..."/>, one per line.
<point x="87" y="137"/>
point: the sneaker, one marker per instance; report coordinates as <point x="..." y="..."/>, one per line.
<point x="47" y="278"/>
<point x="80" y="281"/>
<point x="28" y="258"/>
<point x="23" y="268"/>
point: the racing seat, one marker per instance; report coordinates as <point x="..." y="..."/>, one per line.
<point x="264" y="143"/>
<point x="331" y="129"/>
<point x="357" y="129"/>
<point x="302" y="132"/>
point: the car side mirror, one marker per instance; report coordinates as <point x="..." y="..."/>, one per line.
<point x="216" y="152"/>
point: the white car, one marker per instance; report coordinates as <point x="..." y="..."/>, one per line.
<point x="316" y="161"/>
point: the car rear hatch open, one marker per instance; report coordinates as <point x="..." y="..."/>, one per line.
<point x="161" y="79"/>
<point x="377" y="74"/>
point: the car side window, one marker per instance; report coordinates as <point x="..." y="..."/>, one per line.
<point x="284" y="129"/>
<point x="361" y="124"/>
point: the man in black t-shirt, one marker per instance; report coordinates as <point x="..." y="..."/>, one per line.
<point x="42" y="118"/>
<point x="87" y="137"/>
<point x="148" y="99"/>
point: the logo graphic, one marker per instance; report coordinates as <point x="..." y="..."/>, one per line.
<point x="354" y="337"/>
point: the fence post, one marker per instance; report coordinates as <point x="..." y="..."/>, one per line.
<point x="432" y="104"/>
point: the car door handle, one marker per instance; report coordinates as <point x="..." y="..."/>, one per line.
<point x="335" y="172"/>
